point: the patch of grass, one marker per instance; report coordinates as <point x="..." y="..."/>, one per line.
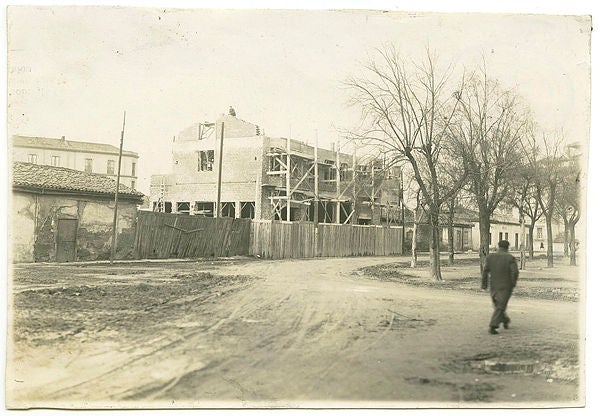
<point x="469" y="282"/>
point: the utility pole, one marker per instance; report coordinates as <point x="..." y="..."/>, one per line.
<point x="288" y="174"/>
<point x="354" y="219"/>
<point x="316" y="209"/>
<point x="372" y="192"/>
<point x="316" y="168"/>
<point x="220" y="173"/>
<point x="337" y="183"/>
<point x="113" y="245"/>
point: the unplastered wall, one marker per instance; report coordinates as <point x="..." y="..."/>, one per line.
<point x="22" y="227"/>
<point x="242" y="162"/>
<point x="34" y="223"/>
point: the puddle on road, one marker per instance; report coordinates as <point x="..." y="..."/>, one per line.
<point x="362" y="289"/>
<point x="188" y="324"/>
<point x="399" y="323"/>
<point x="490" y="363"/>
<point x="507" y="367"/>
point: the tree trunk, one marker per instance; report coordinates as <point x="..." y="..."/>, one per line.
<point x="530" y="245"/>
<point x="484" y="237"/>
<point x="549" y="250"/>
<point x="522" y="240"/>
<point x="451" y="233"/>
<point x="434" y="247"/>
<point x="567" y="239"/>
<point x="413" y="259"/>
<point x="572" y="248"/>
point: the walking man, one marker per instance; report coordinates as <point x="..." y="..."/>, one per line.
<point x="502" y="271"/>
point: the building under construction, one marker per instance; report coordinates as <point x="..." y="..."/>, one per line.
<point x="232" y="165"/>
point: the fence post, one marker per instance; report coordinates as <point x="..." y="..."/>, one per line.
<point x="136" y="241"/>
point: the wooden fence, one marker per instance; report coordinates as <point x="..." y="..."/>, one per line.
<point x="278" y="240"/>
<point x="160" y="235"/>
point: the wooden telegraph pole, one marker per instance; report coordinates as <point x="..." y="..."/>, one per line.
<point x="113" y="248"/>
<point x="316" y="179"/>
<point x="220" y="173"/>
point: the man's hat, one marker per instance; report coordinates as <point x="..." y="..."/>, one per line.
<point x="503" y="244"/>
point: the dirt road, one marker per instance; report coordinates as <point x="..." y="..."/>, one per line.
<point x="284" y="333"/>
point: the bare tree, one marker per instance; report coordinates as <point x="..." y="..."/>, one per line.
<point x="529" y="209"/>
<point x="492" y="124"/>
<point x="408" y="112"/>
<point x="546" y="182"/>
<point x="568" y="204"/>
<point x="523" y="196"/>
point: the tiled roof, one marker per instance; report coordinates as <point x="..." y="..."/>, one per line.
<point x="62" y="179"/>
<point x="68" y="145"/>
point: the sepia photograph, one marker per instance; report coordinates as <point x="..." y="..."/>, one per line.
<point x="262" y="208"/>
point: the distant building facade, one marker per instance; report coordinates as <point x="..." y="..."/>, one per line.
<point x="59" y="214"/>
<point x="83" y="156"/>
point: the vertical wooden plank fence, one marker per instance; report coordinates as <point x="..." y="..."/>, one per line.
<point x="160" y="235"/>
<point x="279" y="240"/>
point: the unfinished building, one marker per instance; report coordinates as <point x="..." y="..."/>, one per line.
<point x="273" y="178"/>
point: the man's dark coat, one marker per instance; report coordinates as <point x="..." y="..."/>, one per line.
<point x="502" y="270"/>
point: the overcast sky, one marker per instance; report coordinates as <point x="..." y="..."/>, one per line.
<point x="72" y="71"/>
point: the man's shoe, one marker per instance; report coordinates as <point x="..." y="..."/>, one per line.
<point x="493" y="331"/>
<point x="505" y="323"/>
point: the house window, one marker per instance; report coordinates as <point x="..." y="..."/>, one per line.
<point x="499" y="236"/>
<point x="183" y="207"/>
<point x="506" y="236"/>
<point x="228" y="209"/>
<point x="539" y="232"/>
<point x="204" y="208"/>
<point x="88" y="165"/>
<point x="274" y="164"/>
<point x="132" y="168"/>
<point x="55" y="161"/>
<point x="329" y="172"/>
<point x="344" y="172"/>
<point x="133" y="184"/>
<point x="110" y="167"/>
<point x="32" y="158"/>
<point x="247" y="210"/>
<point x="206" y="159"/>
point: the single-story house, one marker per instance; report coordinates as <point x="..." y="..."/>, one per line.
<point x="60" y="215"/>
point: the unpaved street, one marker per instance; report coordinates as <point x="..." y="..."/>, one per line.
<point x="278" y="333"/>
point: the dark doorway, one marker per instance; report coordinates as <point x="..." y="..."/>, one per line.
<point x="66" y="239"/>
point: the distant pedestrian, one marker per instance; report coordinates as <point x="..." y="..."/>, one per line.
<point x="502" y="272"/>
